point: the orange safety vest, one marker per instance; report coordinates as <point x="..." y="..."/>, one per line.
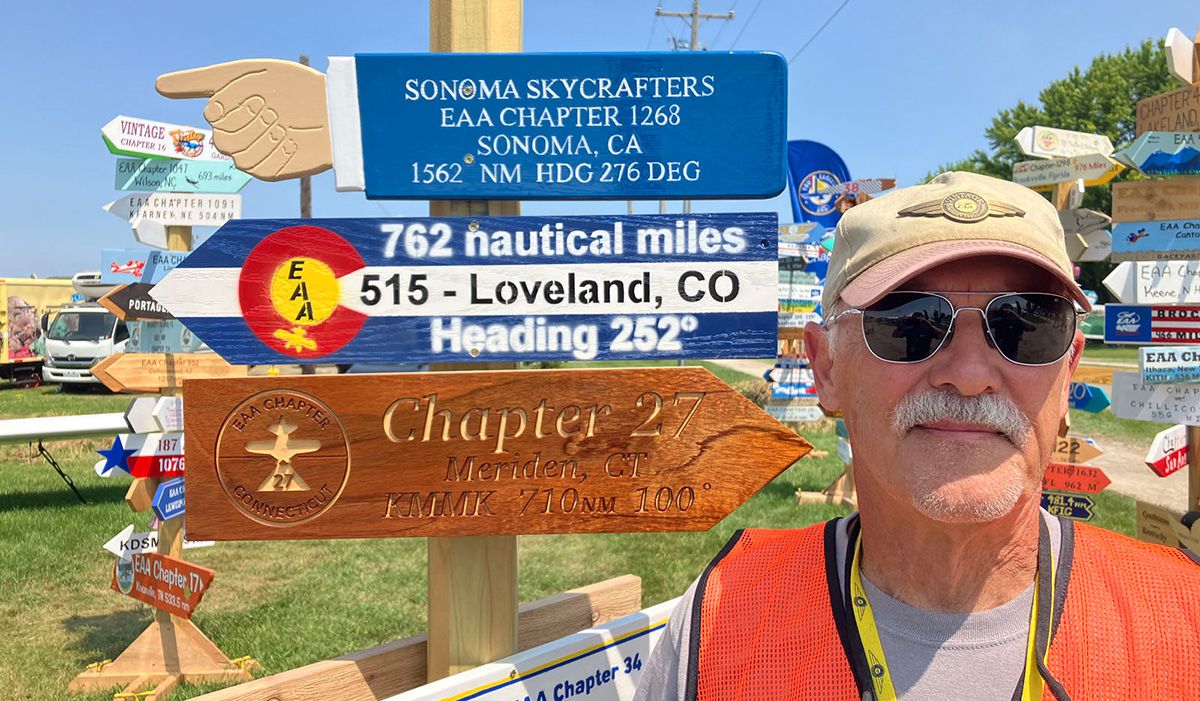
<point x="769" y="623"/>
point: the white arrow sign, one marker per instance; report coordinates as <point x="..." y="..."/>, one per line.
<point x="1046" y="142"/>
<point x="1083" y="221"/>
<point x="1134" y="399"/>
<point x="1092" y="169"/>
<point x="1099" y="247"/>
<point x="128" y="543"/>
<point x="176" y="209"/>
<point x="150" y="233"/>
<point x="131" y="136"/>
<point x="168" y="414"/>
<point x="1180" y="53"/>
<point x="1156" y="282"/>
<point x="140" y="415"/>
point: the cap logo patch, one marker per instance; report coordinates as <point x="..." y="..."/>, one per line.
<point x="965" y="207"/>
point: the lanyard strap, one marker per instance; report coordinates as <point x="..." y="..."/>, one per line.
<point x="1036" y="651"/>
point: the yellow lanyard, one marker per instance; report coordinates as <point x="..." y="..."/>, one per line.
<point x="881" y="677"/>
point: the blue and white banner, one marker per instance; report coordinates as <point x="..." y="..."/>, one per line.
<point x="814" y="170"/>
<point x="488" y="288"/>
<point x="1156" y="240"/>
<point x="577" y="126"/>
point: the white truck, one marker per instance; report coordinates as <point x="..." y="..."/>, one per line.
<point x="81" y="334"/>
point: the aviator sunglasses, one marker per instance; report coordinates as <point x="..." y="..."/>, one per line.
<point x="1027" y="328"/>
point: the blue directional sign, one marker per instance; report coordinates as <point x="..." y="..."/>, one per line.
<point x="1155" y="240"/>
<point x="126" y="266"/>
<point x="160" y="175"/>
<point x="489" y="288"/>
<point x="1163" y="153"/>
<point x="1075" y="506"/>
<point x="168" y="499"/>
<point x="576" y="126"/>
<point x="1089" y="398"/>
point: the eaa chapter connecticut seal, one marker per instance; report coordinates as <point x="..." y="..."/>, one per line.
<point x="282" y="457"/>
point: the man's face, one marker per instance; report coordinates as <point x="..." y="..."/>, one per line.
<point x="948" y="470"/>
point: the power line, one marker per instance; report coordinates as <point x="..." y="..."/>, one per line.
<point x="747" y="24"/>
<point x="693" y="20"/>
<point x="653" y="26"/>
<point x="723" y="26"/>
<point x="818" y="32"/>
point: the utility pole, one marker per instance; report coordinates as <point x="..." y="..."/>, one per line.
<point x="693" y="19"/>
<point x="305" y="181"/>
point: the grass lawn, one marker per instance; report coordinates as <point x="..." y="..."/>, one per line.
<point x="291" y="603"/>
<point x="1100" y="352"/>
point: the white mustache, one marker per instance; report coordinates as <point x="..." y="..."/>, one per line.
<point x="991" y="411"/>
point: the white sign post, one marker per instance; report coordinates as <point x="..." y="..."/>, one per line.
<point x="1092" y="169"/>
<point x="128" y="543"/>
<point x="1134" y="399"/>
<point x="1045" y="142"/>
<point x="176" y="209"/>
<point x="1155" y="282"/>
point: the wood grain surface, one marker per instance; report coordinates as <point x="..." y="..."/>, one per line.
<point x="474" y="453"/>
<point x="157" y="372"/>
<point x="1156" y="200"/>
<point x="1178" y="110"/>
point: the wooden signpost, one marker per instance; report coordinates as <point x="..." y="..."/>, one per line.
<point x="1156" y="200"/>
<point x="176" y="209"/>
<point x="574" y="451"/>
<point x="1168" y="453"/>
<point x="1156" y="524"/>
<point x="1177" y="110"/>
<point x="155" y="372"/>
<point x="1163" y="153"/>
<point x="482" y="289"/>
<point x="162" y="581"/>
<point x="128" y="542"/>
<point x="157" y="175"/>
<point x="1047" y="142"/>
<point x="1075" y="449"/>
<point x="132" y="302"/>
<point x="1093" y="169"/>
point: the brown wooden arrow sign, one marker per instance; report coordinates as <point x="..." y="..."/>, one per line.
<point x="1074" y="449"/>
<point x="156" y="372"/>
<point x="133" y="303"/>
<point x="474" y="453"/>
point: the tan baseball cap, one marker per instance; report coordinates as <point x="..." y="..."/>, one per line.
<point x="887" y="240"/>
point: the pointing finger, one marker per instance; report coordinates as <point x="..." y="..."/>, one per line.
<point x="235" y="119"/>
<point x="233" y="143"/>
<point x="253" y="154"/>
<point x="207" y="80"/>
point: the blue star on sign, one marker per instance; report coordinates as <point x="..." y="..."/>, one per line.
<point x="116" y="456"/>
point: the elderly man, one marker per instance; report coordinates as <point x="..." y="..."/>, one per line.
<point x="948" y="344"/>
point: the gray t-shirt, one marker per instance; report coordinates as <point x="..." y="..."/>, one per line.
<point x="931" y="655"/>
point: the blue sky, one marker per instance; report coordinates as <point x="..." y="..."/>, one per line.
<point x="897" y="88"/>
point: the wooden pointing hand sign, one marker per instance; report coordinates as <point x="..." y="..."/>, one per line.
<point x="268" y="115"/>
